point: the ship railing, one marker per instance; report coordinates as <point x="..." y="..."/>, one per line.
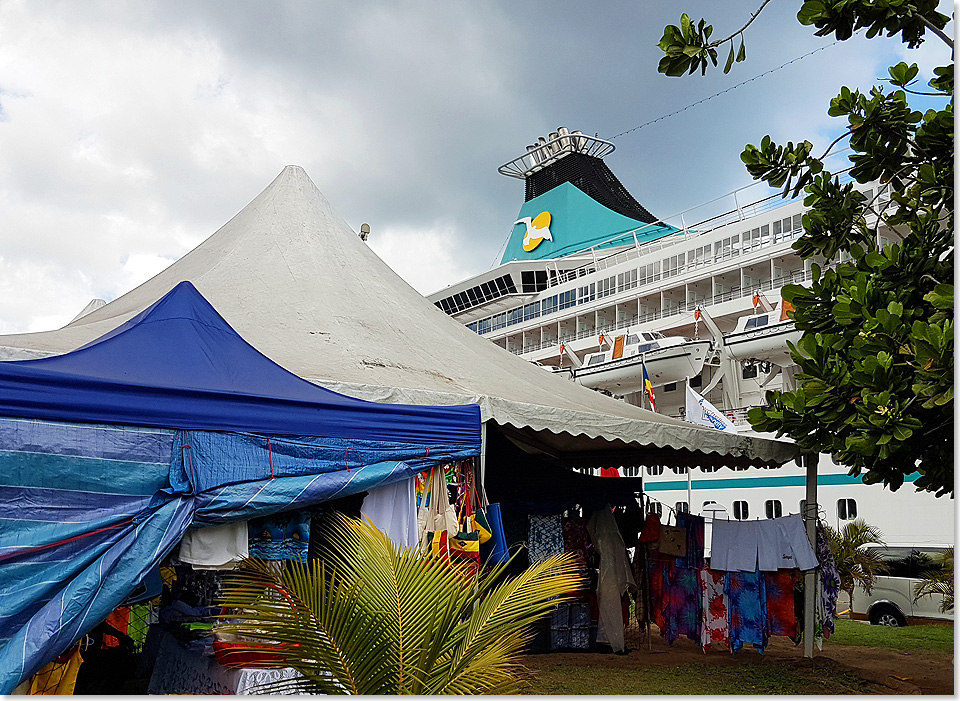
<point x="793" y="278"/>
<point x="738" y="416"/>
<point x="688" y="232"/>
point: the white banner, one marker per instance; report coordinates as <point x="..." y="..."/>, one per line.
<point x="703" y="413"/>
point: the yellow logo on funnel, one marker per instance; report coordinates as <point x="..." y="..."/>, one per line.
<point x="538" y="229"/>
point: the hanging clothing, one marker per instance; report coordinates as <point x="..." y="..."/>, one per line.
<point x="545" y="537"/>
<point x="659" y="581"/>
<point x="283" y="536"/>
<point x="393" y="509"/>
<point x="676" y="598"/>
<point x="828" y="587"/>
<point x="771" y="544"/>
<point x="715" y="627"/>
<point x="694" y="526"/>
<point x="795" y="549"/>
<point x="685" y="611"/>
<point x="58" y="678"/>
<point x="576" y="540"/>
<point x="781" y="604"/>
<point x="616" y="579"/>
<point x="215" y="547"/>
<point x="746" y="596"/>
<point x="641" y="575"/>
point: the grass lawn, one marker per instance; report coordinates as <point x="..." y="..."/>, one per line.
<point x="692" y="678"/>
<point x="926" y="638"/>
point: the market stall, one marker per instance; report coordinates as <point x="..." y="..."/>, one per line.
<point x="111" y="452"/>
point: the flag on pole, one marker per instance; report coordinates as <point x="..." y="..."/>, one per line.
<point x="702" y="412"/>
<point x="648" y="387"/>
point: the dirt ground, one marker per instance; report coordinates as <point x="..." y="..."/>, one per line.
<point x="886" y="671"/>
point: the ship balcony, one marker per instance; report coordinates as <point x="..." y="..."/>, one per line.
<point x="589" y="336"/>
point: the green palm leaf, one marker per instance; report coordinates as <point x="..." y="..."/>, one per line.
<point x="384" y="620"/>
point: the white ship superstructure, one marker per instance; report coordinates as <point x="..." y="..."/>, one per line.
<point x="594" y="286"/>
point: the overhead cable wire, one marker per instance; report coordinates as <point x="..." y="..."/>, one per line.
<point x="732" y="87"/>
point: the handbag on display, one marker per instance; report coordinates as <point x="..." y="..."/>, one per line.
<point x="499" y="553"/>
<point x="481" y="526"/>
<point x="465" y="547"/>
<point x="673" y="541"/>
<point x="438" y="544"/>
<point x="436" y="513"/>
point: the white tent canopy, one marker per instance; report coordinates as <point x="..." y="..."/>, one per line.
<point x="299" y="285"/>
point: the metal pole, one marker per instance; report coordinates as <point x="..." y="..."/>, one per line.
<point x="483" y="463"/>
<point x="810" y="578"/>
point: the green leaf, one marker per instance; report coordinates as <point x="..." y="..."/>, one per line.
<point x="729" y="64"/>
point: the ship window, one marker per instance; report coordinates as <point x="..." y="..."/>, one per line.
<point x="773" y="508"/>
<point x="627" y="280"/>
<point x="670" y="387"/>
<point x="644" y="347"/>
<point x="633" y="338"/>
<point x="682" y="507"/>
<point x="606" y="287"/>
<point x="846" y="509"/>
<point x="531" y="311"/>
<point x="586" y="293"/>
<point x="757" y="320"/>
<point x="741" y="511"/>
<point x="596" y="359"/>
<point x="709" y="468"/>
<point x="568" y="299"/>
<point x="549" y="305"/>
<point x="797" y="223"/>
<point x="655" y="507"/>
<point x="749" y="371"/>
<point x="696" y="381"/>
<point x="679" y="470"/>
<point x="631" y="471"/>
<point x="655" y="470"/>
<point x="673" y="265"/>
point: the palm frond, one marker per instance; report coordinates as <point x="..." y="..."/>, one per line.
<point x="381" y="619"/>
<point x="938" y="580"/>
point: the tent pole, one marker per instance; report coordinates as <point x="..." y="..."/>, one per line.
<point x="483" y="463"/>
<point x="810" y="461"/>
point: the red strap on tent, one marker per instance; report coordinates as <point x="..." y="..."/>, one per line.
<point x="360" y="457"/>
<point x="270" y="455"/>
<point x="27" y="551"/>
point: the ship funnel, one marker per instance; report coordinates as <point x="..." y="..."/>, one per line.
<point x="561" y="143"/>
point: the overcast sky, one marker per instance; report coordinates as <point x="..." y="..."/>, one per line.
<point x="131" y="131"/>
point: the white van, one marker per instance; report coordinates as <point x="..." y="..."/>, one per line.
<point x="890" y="601"/>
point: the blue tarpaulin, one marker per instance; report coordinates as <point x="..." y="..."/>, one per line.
<point x="108" y="454"/>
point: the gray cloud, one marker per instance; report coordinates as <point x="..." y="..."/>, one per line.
<point x="131" y="131"/>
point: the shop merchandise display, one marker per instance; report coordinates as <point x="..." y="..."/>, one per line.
<point x="170" y="638"/>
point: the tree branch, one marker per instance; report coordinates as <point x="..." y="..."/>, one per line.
<point x="714" y="44"/>
<point x="939" y="32"/>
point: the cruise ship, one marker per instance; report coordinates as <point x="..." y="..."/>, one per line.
<point x="594" y="286"/>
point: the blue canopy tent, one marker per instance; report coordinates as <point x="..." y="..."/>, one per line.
<point x="108" y="453"/>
